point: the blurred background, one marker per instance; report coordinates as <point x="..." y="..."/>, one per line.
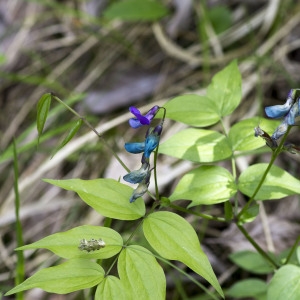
<point x="101" y="61"/>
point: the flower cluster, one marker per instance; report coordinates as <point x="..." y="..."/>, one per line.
<point x="142" y="176"/>
<point x="288" y="112"/>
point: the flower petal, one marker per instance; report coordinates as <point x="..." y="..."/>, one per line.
<point x="280" y="130"/>
<point x="293" y="113"/>
<point x="138" y="175"/>
<point x="278" y="111"/>
<point x="135" y="147"/>
<point x="135" y="123"/>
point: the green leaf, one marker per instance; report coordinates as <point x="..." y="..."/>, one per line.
<point x="107" y="196"/>
<point x="251" y="261"/>
<point x="285" y="284"/>
<point x="205" y="185"/>
<point x="249" y="215"/>
<point x="110" y="288"/>
<point x="225" y="91"/>
<point x="197" y="145"/>
<point x="278" y="183"/>
<point x="241" y="134"/>
<point x="228" y="210"/>
<point x="73" y="275"/>
<point x="172" y="237"/>
<point x="253" y="288"/>
<point x="193" y="110"/>
<point x="220" y="17"/>
<point x="65" y="244"/>
<point x="136" y="10"/>
<point x="43" y="107"/>
<point x="70" y="135"/>
<point x="141" y="274"/>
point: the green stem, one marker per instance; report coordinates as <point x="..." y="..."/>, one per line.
<point x="20" y="270"/>
<point x="204" y="216"/>
<point x="292" y="250"/>
<point x="87" y="123"/>
<point x="273" y="158"/>
<point x="256" y="246"/>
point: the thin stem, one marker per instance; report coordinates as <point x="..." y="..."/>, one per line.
<point x="87" y="123"/>
<point x="256" y="246"/>
<point x="273" y="158"/>
<point x="204" y="216"/>
<point x="292" y="250"/>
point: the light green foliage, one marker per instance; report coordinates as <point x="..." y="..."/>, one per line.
<point x="172" y="237"/>
<point x="73" y="275"/>
<point x="198" y="145"/>
<point x="241" y="134"/>
<point x="285" y="284"/>
<point x="256" y="289"/>
<point x="192" y="110"/>
<point x="251" y="261"/>
<point x="42" y="112"/>
<point x="65" y="244"/>
<point x="110" y="287"/>
<point x="136" y="10"/>
<point x="107" y="196"/>
<point x="278" y="183"/>
<point x="141" y="274"/>
<point x="205" y="185"/>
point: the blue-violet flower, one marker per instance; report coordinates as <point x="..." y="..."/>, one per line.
<point x="138" y="176"/>
<point x="135" y="147"/>
<point x="141" y="189"/>
<point x="141" y="120"/>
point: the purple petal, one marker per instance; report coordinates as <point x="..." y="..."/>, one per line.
<point x="134" y="111"/>
<point x="135" y="123"/>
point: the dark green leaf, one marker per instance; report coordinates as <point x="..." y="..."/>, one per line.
<point x="228" y="211"/>
<point x="141" y="274"/>
<point x="278" y="183"/>
<point x="197" y="145"/>
<point x="43" y="107"/>
<point x="172" y="237"/>
<point x="136" y="10"/>
<point x="108" y="197"/>
<point x="65" y="244"/>
<point x="253" y="288"/>
<point x="205" y="185"/>
<point x="249" y="215"/>
<point x="73" y="275"/>
<point x="70" y="135"/>
<point x="220" y="17"/>
<point x="251" y="261"/>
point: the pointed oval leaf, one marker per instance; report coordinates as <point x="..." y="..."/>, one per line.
<point x="225" y="91"/>
<point x="141" y="274"/>
<point x="43" y="107"/>
<point x="136" y="10"/>
<point x="248" y="288"/>
<point x="285" y="284"/>
<point x="69" y="136"/>
<point x="249" y="215"/>
<point x="73" y="275"/>
<point x="197" y="145"/>
<point x="205" y="185"/>
<point x="193" y="110"/>
<point x="278" y="183"/>
<point x="172" y="237"/>
<point x="241" y="134"/>
<point x="65" y="244"/>
<point x="110" y="288"/>
<point x="107" y="196"/>
<point x="251" y="261"/>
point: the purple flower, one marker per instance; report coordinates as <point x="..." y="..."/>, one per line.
<point x="141" y="120"/>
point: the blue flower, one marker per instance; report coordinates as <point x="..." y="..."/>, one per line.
<point x="290" y="110"/>
<point x="141" y="189"/>
<point x="141" y="120"/>
<point x="138" y="176"/>
<point x="135" y="147"/>
<point x="152" y="140"/>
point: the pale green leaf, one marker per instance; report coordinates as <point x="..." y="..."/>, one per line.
<point x="197" y="145"/>
<point x="65" y="244"/>
<point x="249" y="215"/>
<point x="251" y="261"/>
<point x="193" y="110"/>
<point x="108" y="197"/>
<point x="136" y="10"/>
<point x="225" y="91"/>
<point x="278" y="183"/>
<point x="241" y="134"/>
<point x="285" y="285"/>
<point x="253" y="288"/>
<point x="141" y="274"/>
<point x="43" y="107"/>
<point x="172" y="237"/>
<point x="73" y="275"/>
<point x="205" y="185"/>
<point x="110" y="288"/>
